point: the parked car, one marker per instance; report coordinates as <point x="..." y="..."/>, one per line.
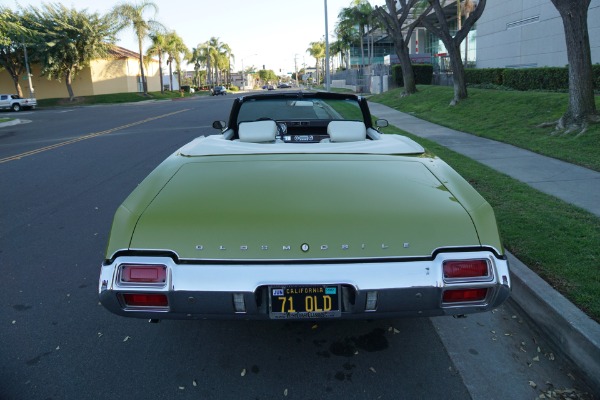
<point x="284" y="86"/>
<point x="302" y="209"/>
<point x="219" y="90"/>
<point x="16" y="103"/>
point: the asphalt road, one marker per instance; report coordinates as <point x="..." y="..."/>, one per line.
<point x="63" y="175"/>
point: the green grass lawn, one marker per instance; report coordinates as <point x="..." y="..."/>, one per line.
<point x="507" y="116"/>
<point x="115" y="98"/>
<point x="560" y="242"/>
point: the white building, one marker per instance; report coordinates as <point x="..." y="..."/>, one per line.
<point x="528" y="33"/>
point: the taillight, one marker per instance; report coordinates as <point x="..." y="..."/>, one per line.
<point x="133" y="273"/>
<point x="460" y="269"/>
<point x="461" y="295"/>
<point x="145" y="300"/>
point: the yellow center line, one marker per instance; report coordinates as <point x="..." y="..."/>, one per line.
<point x="85" y="137"/>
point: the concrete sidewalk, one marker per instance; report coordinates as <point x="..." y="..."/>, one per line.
<point x="571" y="331"/>
<point x="568" y="182"/>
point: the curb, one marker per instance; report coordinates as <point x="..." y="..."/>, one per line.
<point x="10" y="123"/>
<point x="569" y="329"/>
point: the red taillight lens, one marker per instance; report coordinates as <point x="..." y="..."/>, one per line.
<point x="460" y="295"/>
<point x="144" y="273"/>
<point x="456" y="269"/>
<point x="144" y="299"/>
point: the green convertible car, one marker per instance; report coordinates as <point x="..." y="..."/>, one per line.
<point x="301" y="209"/>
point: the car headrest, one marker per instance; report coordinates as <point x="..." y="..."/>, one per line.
<point x="257" y="131"/>
<point x="346" y="131"/>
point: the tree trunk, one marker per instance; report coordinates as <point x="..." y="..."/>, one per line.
<point x="162" y="84"/>
<point x="170" y="62"/>
<point x="144" y="83"/>
<point x="452" y="43"/>
<point x="17" y="85"/>
<point x="362" y="46"/>
<point x="69" y="83"/>
<point x="582" y="104"/>
<point x="408" y="74"/>
<point x="458" y="74"/>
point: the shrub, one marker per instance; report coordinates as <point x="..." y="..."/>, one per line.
<point x="483" y="76"/>
<point x="423" y="74"/>
<point x="549" y="78"/>
<point x="596" y="72"/>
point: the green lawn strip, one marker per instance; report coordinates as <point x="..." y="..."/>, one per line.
<point x="5" y="120"/>
<point x="560" y="242"/>
<point x="507" y="116"/>
<point x="115" y="98"/>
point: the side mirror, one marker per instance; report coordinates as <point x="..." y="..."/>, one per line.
<point x="381" y="123"/>
<point x="220" y="125"/>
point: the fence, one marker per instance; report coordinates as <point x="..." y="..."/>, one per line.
<point x="373" y="79"/>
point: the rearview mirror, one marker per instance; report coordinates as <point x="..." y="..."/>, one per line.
<point x="381" y="123"/>
<point x="220" y="125"/>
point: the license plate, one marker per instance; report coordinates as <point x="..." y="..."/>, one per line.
<point x="296" y="302"/>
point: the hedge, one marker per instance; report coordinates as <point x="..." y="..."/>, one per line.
<point x="548" y="78"/>
<point x="423" y="74"/>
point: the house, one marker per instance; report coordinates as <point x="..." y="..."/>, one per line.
<point x="120" y="73"/>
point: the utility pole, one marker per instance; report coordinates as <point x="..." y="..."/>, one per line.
<point x="327" y="72"/>
<point x="296" y="68"/>
<point x="31" y="89"/>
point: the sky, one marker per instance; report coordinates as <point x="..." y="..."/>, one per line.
<point x="273" y="33"/>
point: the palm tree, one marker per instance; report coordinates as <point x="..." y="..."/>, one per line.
<point x="218" y="55"/>
<point x="158" y="48"/>
<point x="347" y="34"/>
<point x="174" y="48"/>
<point x="361" y="14"/>
<point x="132" y="15"/>
<point x="317" y="50"/>
<point x="198" y="58"/>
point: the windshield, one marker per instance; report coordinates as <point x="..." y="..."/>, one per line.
<point x="286" y="109"/>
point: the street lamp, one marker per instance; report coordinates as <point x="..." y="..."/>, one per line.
<point x="327" y="72"/>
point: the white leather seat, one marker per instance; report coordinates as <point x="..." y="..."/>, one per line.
<point x="346" y="131"/>
<point x="257" y="131"/>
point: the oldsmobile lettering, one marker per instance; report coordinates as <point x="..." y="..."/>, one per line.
<point x="304" y="247"/>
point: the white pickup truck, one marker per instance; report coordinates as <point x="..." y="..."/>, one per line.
<point x="16" y="103"/>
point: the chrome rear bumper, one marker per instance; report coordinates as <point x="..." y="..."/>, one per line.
<point x="207" y="291"/>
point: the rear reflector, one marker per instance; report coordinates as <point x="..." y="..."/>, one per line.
<point x="457" y="269"/>
<point x="143" y="273"/>
<point x="145" y="300"/>
<point x="461" y="295"/>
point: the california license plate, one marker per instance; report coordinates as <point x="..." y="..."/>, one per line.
<point x="296" y="302"/>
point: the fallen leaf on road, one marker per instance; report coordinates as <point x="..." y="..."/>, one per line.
<point x="532" y="384"/>
<point x="243" y="372"/>
<point x="127" y="338"/>
<point x="194" y="383"/>
<point x="372" y="370"/>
